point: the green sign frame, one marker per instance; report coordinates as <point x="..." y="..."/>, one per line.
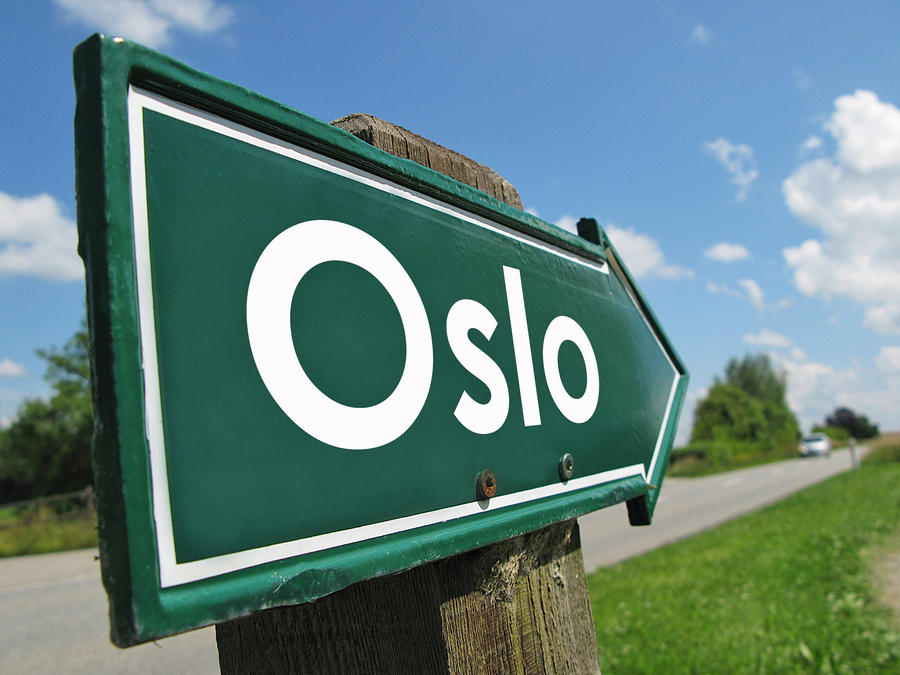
<point x="221" y="491"/>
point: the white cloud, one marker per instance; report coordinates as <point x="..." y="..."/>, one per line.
<point x="9" y="368"/>
<point x="884" y="318"/>
<point x="816" y="389"/>
<point x="721" y="289"/>
<point x="725" y="252"/>
<point x="767" y="338"/>
<point x="853" y="198"/>
<point x="738" y="160"/>
<point x="784" y="303"/>
<point x="688" y="414"/>
<point x="533" y="211"/>
<point x="798" y="354"/>
<point x="867" y="132"/>
<point x="754" y="293"/>
<point x="642" y="254"/>
<point x="568" y="223"/>
<point x="888" y="359"/>
<point x="802" y="79"/>
<point x="810" y="144"/>
<point x="751" y="292"/>
<point x="701" y="35"/>
<point x="36" y="239"/>
<point x="148" y="21"/>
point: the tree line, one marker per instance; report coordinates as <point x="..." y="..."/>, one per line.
<point x="746" y="412"/>
<point x="47" y="449"/>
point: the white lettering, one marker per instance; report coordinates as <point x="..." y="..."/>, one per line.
<point x="479" y="418"/>
<point x="297" y="250"/>
<point x="282" y="265"/>
<point x="531" y="413"/>
<point x="580" y="409"/>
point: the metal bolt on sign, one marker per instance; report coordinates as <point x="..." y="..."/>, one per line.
<point x="566" y="467"/>
<point x="485" y="485"/>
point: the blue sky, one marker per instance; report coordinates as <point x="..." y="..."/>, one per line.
<point x="744" y="157"/>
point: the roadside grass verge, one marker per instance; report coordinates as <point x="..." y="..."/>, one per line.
<point x="47" y="537"/>
<point x="884" y="453"/>
<point x="783" y="590"/>
<point x="709" y="457"/>
<point x="47" y="524"/>
<point x="715" y="457"/>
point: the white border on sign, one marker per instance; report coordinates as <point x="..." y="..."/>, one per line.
<point x="173" y="573"/>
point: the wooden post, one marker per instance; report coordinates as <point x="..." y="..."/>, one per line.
<point x="518" y="606"/>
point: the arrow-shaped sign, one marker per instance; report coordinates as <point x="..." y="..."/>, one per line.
<point x="317" y="363"/>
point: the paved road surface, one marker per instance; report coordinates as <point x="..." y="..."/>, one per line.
<point x="53" y="611"/>
<point x="53" y="619"/>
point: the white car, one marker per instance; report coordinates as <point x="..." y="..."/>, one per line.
<point x="815" y="444"/>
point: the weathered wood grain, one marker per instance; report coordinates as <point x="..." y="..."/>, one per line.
<point x="403" y="143"/>
<point x="519" y="606"/>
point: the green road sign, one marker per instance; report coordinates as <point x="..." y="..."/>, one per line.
<point x="307" y="352"/>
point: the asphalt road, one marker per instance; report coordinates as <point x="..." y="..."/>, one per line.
<point x="53" y="619"/>
<point x="53" y="611"/>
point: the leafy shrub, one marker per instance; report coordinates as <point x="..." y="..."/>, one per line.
<point x="834" y="433"/>
<point x="50" y="532"/>
<point x="688" y="452"/>
<point x="729" y="413"/>
<point x="702" y="458"/>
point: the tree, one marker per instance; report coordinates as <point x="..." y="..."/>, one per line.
<point x="755" y="375"/>
<point x="749" y="406"/>
<point x="48" y="447"/>
<point x="858" y="426"/>
<point x="729" y="413"/>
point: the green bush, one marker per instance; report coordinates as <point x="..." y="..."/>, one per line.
<point x="47" y="449"/>
<point x="721" y="453"/>
<point x="743" y="420"/>
<point x="688" y="452"/>
<point x="47" y="534"/>
<point x="729" y="413"/>
<point x="782" y="431"/>
<point x="834" y="433"/>
<point x="707" y="457"/>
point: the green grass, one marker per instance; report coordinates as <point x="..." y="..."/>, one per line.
<point x="45" y="534"/>
<point x="783" y="590"/>
<point x="7" y="515"/>
<point x="883" y="454"/>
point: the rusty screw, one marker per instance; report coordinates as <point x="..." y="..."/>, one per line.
<point x="566" y="467"/>
<point x="485" y="485"/>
